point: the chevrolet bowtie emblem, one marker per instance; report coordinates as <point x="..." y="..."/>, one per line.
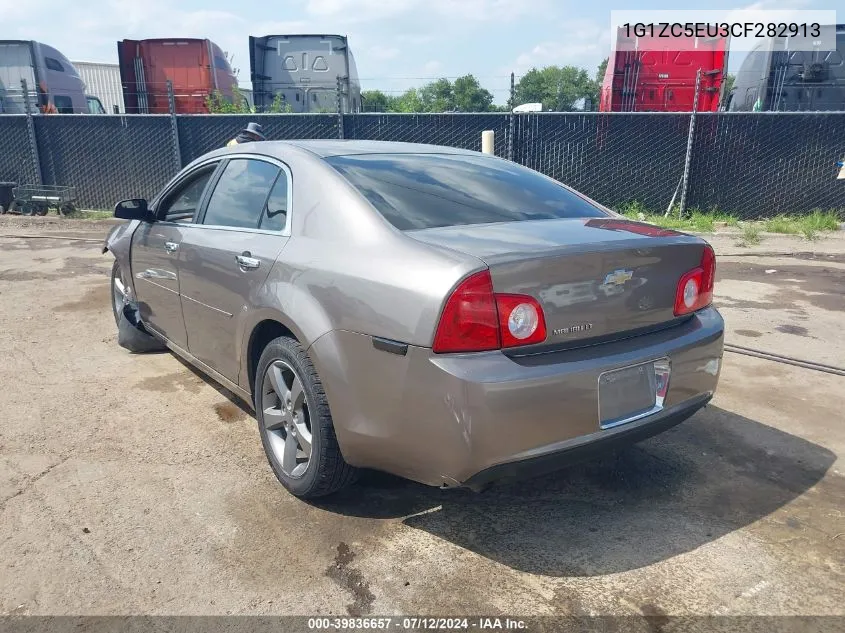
<point x="618" y="277"/>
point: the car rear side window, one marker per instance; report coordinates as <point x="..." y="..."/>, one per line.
<point x="240" y="194"/>
<point x="422" y="191"/>
<point x="276" y="210"/>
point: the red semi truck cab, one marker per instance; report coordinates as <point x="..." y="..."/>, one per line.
<point x="196" y="68"/>
<point x="651" y="75"/>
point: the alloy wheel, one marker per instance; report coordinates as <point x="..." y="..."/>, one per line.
<point x="286" y="419"/>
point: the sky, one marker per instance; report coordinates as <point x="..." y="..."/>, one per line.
<point x="397" y="43"/>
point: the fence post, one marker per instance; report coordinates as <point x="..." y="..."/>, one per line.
<point x="174" y="125"/>
<point x="33" y="141"/>
<point x="339" y="107"/>
<point x="488" y="142"/>
<point x="511" y="120"/>
<point x="685" y="186"/>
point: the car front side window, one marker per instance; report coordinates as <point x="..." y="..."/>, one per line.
<point x="240" y="195"/>
<point x="181" y="205"/>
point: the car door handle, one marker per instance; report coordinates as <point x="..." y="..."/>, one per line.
<point x="171" y="247"/>
<point x="247" y="262"/>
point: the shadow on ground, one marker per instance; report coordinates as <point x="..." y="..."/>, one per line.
<point x="714" y="474"/>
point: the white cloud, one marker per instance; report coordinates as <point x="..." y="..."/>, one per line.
<point x="475" y="10"/>
<point x="286" y="27"/>
<point x="775" y="4"/>
<point x="489" y="10"/>
<point x="13" y="10"/>
<point x="581" y="43"/>
<point x="431" y="67"/>
<point x="414" y="39"/>
<point x="381" y="53"/>
<point x="359" y="10"/>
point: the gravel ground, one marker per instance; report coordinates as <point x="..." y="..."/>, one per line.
<point x="130" y="484"/>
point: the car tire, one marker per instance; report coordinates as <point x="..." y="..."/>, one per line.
<point x="117" y="291"/>
<point x="283" y="418"/>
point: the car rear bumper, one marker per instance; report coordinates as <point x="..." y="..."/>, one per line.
<point x="588" y="446"/>
<point x="467" y="419"/>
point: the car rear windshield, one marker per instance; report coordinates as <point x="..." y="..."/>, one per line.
<point x="423" y="191"/>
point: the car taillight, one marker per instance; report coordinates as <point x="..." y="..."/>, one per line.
<point x="521" y="320"/>
<point x="695" y="288"/>
<point x="475" y="319"/>
<point x="470" y="321"/>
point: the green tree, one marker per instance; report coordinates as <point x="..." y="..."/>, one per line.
<point x="596" y="96"/>
<point x="279" y="106"/>
<point x="469" y="96"/>
<point x="375" y="101"/>
<point x="218" y="103"/>
<point x="465" y="95"/>
<point x="602" y="70"/>
<point x="409" y="101"/>
<point x="557" y="88"/>
<point x="437" y="96"/>
<point x="729" y="83"/>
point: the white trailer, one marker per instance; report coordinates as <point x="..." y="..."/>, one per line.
<point x="102" y="80"/>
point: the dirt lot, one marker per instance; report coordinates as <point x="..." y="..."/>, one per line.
<point x="130" y="484"/>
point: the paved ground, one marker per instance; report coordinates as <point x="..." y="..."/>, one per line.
<point x="129" y="484"/>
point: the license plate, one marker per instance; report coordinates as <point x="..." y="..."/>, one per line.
<point x="631" y="392"/>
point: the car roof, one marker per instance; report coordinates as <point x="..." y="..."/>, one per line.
<point x="325" y="148"/>
<point x="337" y="147"/>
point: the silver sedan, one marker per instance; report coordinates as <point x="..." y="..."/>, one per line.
<point x="436" y="313"/>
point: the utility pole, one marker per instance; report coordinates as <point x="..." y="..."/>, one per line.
<point x="512" y="117"/>
<point x="512" y="100"/>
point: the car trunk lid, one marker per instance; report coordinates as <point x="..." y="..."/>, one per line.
<point x="594" y="277"/>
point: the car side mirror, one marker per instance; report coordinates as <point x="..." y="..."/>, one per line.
<point x="132" y="209"/>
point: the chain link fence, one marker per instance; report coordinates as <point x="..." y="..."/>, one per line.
<point x="200" y="134"/>
<point x="107" y="158"/>
<point x="613" y="158"/>
<point x="767" y="164"/>
<point x="454" y="130"/>
<point x="17" y="162"/>
<point x="748" y="164"/>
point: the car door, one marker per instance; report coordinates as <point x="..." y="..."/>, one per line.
<point x="227" y="255"/>
<point x="155" y="255"/>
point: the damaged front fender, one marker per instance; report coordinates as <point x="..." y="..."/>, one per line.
<point x="131" y="333"/>
<point x="119" y="242"/>
<point x="119" y="238"/>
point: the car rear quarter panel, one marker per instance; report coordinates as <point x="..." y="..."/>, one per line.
<point x="345" y="268"/>
<point x="394" y="293"/>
